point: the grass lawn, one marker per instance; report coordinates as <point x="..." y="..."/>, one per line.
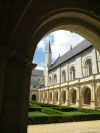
<point x="30" y="114"/>
<point x="40" y="113"/>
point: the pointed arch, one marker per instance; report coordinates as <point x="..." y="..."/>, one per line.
<point x="56" y="96"/>
<point x="63" y="96"/>
<point x="86" y="95"/>
<point x="88" y="67"/>
<point x="72" y="96"/>
<point x="63" y="76"/>
<point x="72" y="73"/>
<point x="55" y="79"/>
<point x="33" y="97"/>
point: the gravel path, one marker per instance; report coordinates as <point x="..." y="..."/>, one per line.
<point x="70" y="127"/>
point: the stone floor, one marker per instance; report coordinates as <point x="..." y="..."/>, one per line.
<point x="70" y="127"/>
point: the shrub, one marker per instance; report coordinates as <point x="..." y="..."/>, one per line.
<point x="61" y="118"/>
<point x="34" y="109"/>
<point x="65" y="109"/>
<point x="50" y="111"/>
<point x="46" y="105"/>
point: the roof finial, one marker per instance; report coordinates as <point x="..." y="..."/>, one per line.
<point x="49" y="47"/>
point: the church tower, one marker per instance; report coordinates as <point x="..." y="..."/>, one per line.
<point x="48" y="58"/>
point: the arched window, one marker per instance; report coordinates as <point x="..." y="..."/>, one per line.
<point x="72" y="73"/>
<point x="63" y="76"/>
<point x="88" y="67"/>
<point x="50" y="82"/>
<point x="55" y="79"/>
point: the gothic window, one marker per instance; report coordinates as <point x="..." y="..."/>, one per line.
<point x="49" y="80"/>
<point x="55" y="79"/>
<point x="63" y="76"/>
<point x="72" y="73"/>
<point x="88" y="67"/>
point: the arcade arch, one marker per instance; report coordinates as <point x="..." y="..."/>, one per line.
<point x="63" y="96"/>
<point x="72" y="96"/>
<point x="27" y="26"/>
<point x="34" y="97"/>
<point x="86" y="95"/>
<point x="56" y="96"/>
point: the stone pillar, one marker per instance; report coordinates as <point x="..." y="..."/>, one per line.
<point x="77" y="96"/>
<point x="93" y="95"/>
<point x="14" y="95"/>
<point x="59" y="97"/>
<point x="67" y="96"/>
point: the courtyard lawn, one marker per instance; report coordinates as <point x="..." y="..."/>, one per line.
<point x="31" y="114"/>
<point x="44" y="113"/>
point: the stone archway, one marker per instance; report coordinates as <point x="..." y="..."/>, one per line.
<point x="86" y="96"/>
<point x="72" y="96"/>
<point x="34" y="97"/>
<point x="29" y="21"/>
<point x="50" y="97"/>
<point x="63" y="97"/>
<point x="56" y="97"/>
<point x="45" y="97"/>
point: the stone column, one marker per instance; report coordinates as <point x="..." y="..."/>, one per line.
<point x="59" y="97"/>
<point x="93" y="95"/>
<point x="77" y="96"/>
<point x="14" y="95"/>
<point x="67" y="96"/>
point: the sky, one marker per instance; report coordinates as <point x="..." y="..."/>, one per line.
<point x="61" y="41"/>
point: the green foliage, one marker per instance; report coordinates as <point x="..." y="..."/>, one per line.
<point x="47" y="113"/>
<point x="65" y="109"/>
<point x="32" y="114"/>
<point x="50" y="111"/>
<point x="62" y="118"/>
<point x="46" y="105"/>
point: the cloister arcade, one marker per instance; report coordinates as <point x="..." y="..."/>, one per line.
<point x="23" y="23"/>
<point x="78" y="96"/>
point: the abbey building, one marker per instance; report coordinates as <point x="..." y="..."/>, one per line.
<point x="73" y="79"/>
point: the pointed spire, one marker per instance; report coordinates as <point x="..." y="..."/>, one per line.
<point x="48" y="49"/>
<point x="70" y="47"/>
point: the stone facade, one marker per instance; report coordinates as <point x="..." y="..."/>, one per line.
<point x="37" y="81"/>
<point x="74" y="81"/>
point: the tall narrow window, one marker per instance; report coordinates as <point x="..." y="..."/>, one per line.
<point x="88" y="67"/>
<point x="63" y="76"/>
<point x="72" y="73"/>
<point x="55" y="79"/>
<point x="49" y="80"/>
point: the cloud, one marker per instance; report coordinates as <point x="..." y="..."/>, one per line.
<point x="62" y="41"/>
<point x="39" y="68"/>
<point x="60" y="44"/>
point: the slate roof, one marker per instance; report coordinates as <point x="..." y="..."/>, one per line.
<point x="70" y="54"/>
<point x="37" y="72"/>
